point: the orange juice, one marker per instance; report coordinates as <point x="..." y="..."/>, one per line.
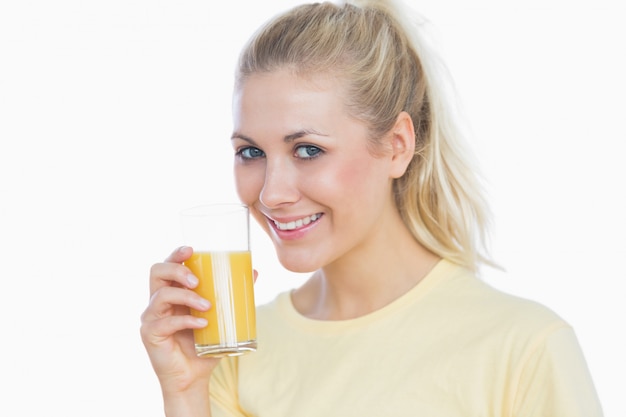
<point x="226" y="281"/>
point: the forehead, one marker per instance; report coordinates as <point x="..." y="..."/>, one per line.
<point x="283" y="97"/>
<point x="286" y="84"/>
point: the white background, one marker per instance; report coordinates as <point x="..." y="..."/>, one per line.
<point x="115" y="115"/>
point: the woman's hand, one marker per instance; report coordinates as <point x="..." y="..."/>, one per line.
<point x="167" y="326"/>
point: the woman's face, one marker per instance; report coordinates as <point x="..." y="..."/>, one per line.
<point x="303" y="166"/>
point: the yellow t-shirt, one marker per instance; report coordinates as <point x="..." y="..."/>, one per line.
<point x="451" y="346"/>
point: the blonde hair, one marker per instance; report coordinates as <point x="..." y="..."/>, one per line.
<point x="388" y="68"/>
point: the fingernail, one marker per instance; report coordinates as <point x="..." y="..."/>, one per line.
<point x="192" y="280"/>
<point x="205" y="304"/>
<point x="182" y="248"/>
<point x="201" y="322"/>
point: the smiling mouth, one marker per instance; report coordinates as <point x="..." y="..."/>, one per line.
<point x="296" y="224"/>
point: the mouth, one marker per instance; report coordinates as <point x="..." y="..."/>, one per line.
<point x="296" y="224"/>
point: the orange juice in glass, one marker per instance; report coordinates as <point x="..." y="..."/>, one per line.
<point x="219" y="236"/>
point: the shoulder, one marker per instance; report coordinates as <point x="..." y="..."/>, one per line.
<point x="275" y="305"/>
<point x="467" y="297"/>
<point x="275" y="313"/>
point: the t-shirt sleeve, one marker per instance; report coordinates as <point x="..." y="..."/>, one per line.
<point x="555" y="380"/>
<point x="223" y="390"/>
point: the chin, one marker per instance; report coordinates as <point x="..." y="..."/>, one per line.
<point x="298" y="265"/>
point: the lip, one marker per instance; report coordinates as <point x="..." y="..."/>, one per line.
<point x="299" y="231"/>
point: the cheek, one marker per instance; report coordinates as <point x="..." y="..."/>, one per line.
<point x="358" y="176"/>
<point x="248" y="183"/>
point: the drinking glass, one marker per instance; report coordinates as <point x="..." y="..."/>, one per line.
<point x="220" y="237"/>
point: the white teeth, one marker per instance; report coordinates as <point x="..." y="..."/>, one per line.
<point x="297" y="223"/>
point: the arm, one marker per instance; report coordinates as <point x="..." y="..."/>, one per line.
<point x="556" y="380"/>
<point x="192" y="402"/>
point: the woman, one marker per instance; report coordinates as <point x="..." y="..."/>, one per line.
<point x="348" y="156"/>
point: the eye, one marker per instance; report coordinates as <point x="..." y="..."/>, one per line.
<point x="250" y="153"/>
<point x="307" y="151"/>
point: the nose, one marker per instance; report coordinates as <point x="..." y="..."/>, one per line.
<point x="280" y="186"/>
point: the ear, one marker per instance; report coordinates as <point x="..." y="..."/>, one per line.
<point x="402" y="137"/>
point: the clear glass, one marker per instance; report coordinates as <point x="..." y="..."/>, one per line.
<point x="220" y="237"/>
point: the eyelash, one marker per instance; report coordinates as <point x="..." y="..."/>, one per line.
<point x="242" y="151"/>
<point x="317" y="150"/>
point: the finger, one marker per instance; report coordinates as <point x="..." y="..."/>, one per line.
<point x="168" y="301"/>
<point x="171" y="272"/>
<point x="156" y="331"/>
<point x="180" y="255"/>
<point x="255" y="274"/>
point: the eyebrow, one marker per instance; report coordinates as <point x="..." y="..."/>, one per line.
<point x="287" y="138"/>
<point x="301" y="133"/>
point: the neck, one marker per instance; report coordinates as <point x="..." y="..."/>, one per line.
<point x="368" y="278"/>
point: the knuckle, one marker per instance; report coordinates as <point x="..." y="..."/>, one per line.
<point x="154" y="269"/>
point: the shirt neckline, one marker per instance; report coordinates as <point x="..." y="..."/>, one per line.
<point x="440" y="271"/>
